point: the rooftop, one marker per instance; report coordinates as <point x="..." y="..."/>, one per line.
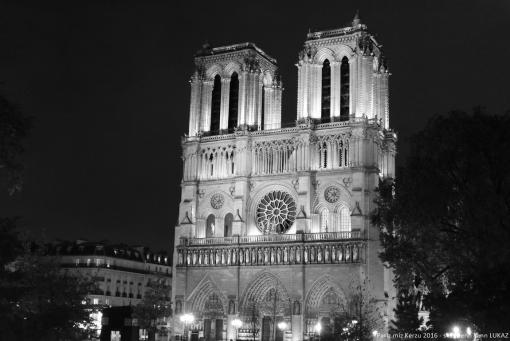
<point x="207" y="50"/>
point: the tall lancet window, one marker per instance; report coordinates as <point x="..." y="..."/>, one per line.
<point x="210" y="226"/>
<point x="326" y="91"/>
<point x="229" y="218"/>
<point x="216" y="105"/>
<point x="344" y="91"/>
<point x="233" y="102"/>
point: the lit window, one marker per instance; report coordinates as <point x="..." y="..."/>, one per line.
<point x="326" y="91"/>
<point x="345" y="220"/>
<point x="344" y="89"/>
<point x="98" y="261"/>
<point x="216" y="105"/>
<point x="95" y="301"/>
<point x="324" y="220"/>
<point x="77" y="261"/>
<point x="88" y="262"/>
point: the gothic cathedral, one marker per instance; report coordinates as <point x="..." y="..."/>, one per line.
<point x="274" y="239"/>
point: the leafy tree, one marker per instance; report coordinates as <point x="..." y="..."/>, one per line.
<point x="13" y="129"/>
<point x="154" y="306"/>
<point x="406" y="314"/>
<point x="446" y="219"/>
<point x="43" y="302"/>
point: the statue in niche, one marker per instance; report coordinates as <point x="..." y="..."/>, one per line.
<point x="234" y="257"/>
<point x="231" y="307"/>
<point x="188" y="258"/>
<point x="306" y="255"/>
<point x="340" y="254"/>
<point x="229" y="256"/>
<point x="254" y="256"/>
<point x="298" y="255"/>
<point x="180" y="258"/>
<point x="347" y="253"/>
<point x="312" y="254"/>
<point x="272" y="256"/>
<point x="241" y="256"/>
<point x="194" y="258"/>
<point x="354" y="253"/>
<point x="200" y="258"/>
<point x="279" y="256"/>
<point x="285" y="255"/>
<point x="266" y="256"/>
<point x="326" y="254"/>
<point x="206" y="258"/>
<point x="333" y="253"/>
<point x="319" y="254"/>
<point x="178" y="307"/>
<point x="297" y="308"/>
<point x="260" y="260"/>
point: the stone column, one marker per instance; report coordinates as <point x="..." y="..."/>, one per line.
<point x="335" y="89"/>
<point x="225" y="95"/>
<point x="205" y="117"/>
<point x="385" y="99"/>
<point x="353" y="84"/>
<point x="195" y="103"/>
<point x="241" y="112"/>
<point x="315" y="91"/>
<point x="302" y="107"/>
<point x="297" y="327"/>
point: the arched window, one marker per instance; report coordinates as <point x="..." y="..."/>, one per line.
<point x="233" y="102"/>
<point x="326" y="91"/>
<point x="215" y="105"/>
<point x="345" y="219"/>
<point x="262" y="109"/>
<point x="229" y="218"/>
<point x="344" y="89"/>
<point x="209" y="226"/>
<point x="324" y="220"/>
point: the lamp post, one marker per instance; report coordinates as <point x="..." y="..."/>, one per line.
<point x="318" y="328"/>
<point x="282" y="325"/>
<point x="237" y="323"/>
<point x="187" y="319"/>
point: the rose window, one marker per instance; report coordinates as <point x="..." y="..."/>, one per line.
<point x="217" y="201"/>
<point x="276" y="212"/>
<point x="332" y="194"/>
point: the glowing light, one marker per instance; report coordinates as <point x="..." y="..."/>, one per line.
<point x="469" y="331"/>
<point x="282" y="325"/>
<point x="354" y="321"/>
<point x="456" y="331"/>
<point x="374" y="333"/>
<point x="318" y="327"/>
<point x="237" y="323"/>
<point x="187" y="318"/>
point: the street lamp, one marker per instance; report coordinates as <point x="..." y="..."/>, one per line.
<point x="187" y="319"/>
<point x="318" y="328"/>
<point x="237" y="323"/>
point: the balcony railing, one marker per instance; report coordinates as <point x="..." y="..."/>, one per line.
<point x="273" y="238"/>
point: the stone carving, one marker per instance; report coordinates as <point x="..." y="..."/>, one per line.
<point x="201" y="193"/>
<point x="295" y="183"/>
<point x="296" y="308"/>
<point x="231" y="307"/>
<point x="276" y="212"/>
<point x="232" y="189"/>
<point x="347" y="182"/>
<point x="217" y="201"/>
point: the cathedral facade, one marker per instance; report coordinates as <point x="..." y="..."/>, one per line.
<point x="274" y="223"/>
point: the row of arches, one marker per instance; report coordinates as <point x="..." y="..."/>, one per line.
<point x="210" y="226"/>
<point x="335" y="221"/>
<point x="233" y="102"/>
<point x="326" y="90"/>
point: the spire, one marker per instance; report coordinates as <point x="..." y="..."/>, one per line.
<point x="356" y="21"/>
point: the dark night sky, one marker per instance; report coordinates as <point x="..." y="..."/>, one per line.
<point x="107" y="84"/>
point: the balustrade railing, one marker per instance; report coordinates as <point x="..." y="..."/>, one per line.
<point x="273" y="238"/>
